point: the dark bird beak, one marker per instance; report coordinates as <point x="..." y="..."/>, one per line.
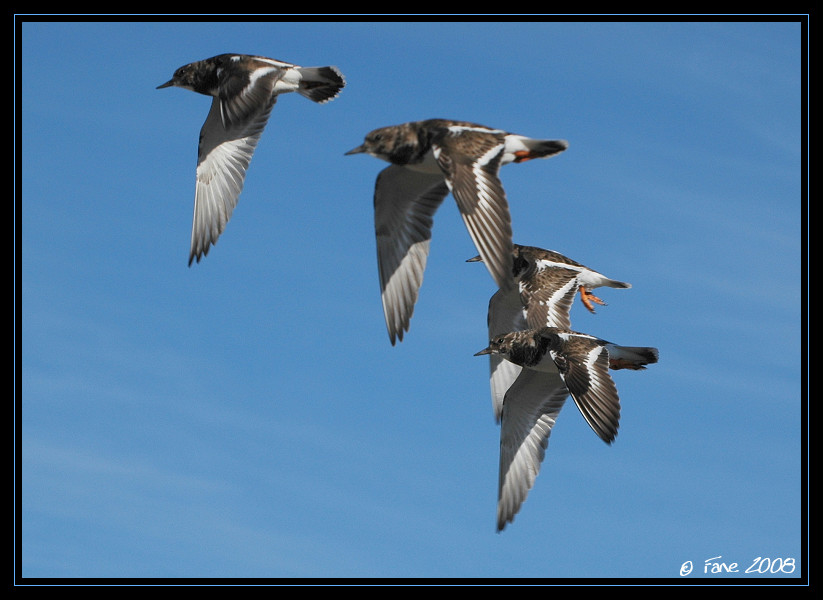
<point x="169" y="83"/>
<point x="360" y="149"/>
<point x="475" y="259"/>
<point x="484" y="351"/>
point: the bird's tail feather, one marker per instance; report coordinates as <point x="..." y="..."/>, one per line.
<point x="613" y="283"/>
<point x="320" y="84"/>
<point x="523" y="148"/>
<point x="631" y="357"/>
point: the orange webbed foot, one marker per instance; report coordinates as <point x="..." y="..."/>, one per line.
<point x="522" y="156"/>
<point x="586" y="297"/>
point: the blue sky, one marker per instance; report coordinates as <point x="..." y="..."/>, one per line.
<point x="248" y="417"/>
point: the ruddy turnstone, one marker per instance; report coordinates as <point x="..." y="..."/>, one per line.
<point x="244" y="88"/>
<point x="555" y="362"/>
<point x="429" y="159"/>
<point x="546" y="283"/>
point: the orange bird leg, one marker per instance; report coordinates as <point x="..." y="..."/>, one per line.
<point x="522" y="156"/>
<point x="586" y="297"/>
